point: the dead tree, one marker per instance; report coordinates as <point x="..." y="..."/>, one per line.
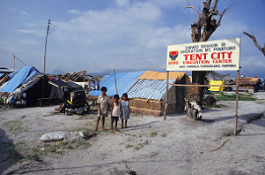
<point x="208" y="21"/>
<point x="256" y="43"/>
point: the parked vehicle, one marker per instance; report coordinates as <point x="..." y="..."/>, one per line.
<point x="74" y="102"/>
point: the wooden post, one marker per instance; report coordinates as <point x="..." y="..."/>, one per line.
<point x="165" y="107"/>
<point x="237" y="87"/>
<point x="115" y="81"/>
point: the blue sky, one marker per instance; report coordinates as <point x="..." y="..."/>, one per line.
<point x="99" y="35"/>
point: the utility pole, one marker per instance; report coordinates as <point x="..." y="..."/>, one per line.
<point x="44" y="69"/>
<point x="48" y="28"/>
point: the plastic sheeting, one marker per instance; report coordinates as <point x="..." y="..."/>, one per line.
<point x="216" y="82"/>
<point x="23" y="75"/>
<point x="11" y="75"/>
<point x="124" y="82"/>
<point x="149" y="89"/>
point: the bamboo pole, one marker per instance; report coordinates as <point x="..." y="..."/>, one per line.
<point x="115" y="81"/>
<point x="165" y="107"/>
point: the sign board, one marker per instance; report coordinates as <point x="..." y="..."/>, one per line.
<point x="219" y="55"/>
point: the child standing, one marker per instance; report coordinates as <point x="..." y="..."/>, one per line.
<point x="103" y="105"/>
<point x="125" y="109"/>
<point x="115" y="112"/>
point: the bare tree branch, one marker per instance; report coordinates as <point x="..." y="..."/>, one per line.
<point x="195" y="10"/>
<point x="220" y="18"/>
<point x="255" y="42"/>
<point x="214" y="6"/>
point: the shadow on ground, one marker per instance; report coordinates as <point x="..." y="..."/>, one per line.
<point x="9" y="155"/>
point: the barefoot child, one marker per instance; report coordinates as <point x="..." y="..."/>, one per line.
<point x="125" y="109"/>
<point x="115" y="112"/>
<point x="103" y="105"/>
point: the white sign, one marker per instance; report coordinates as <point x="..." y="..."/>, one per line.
<point x="219" y="55"/>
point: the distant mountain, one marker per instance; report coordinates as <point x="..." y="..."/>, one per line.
<point x="57" y="71"/>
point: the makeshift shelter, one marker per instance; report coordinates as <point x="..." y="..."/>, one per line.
<point x="249" y="84"/>
<point x="216" y="82"/>
<point x="88" y="82"/>
<point x="26" y="73"/>
<point x="124" y="82"/>
<point x="31" y="91"/>
<point x="147" y="95"/>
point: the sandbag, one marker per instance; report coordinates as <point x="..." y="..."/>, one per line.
<point x="53" y="136"/>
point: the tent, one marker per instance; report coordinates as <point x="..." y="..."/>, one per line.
<point x="147" y="95"/>
<point x="124" y="82"/>
<point x="31" y="91"/>
<point x="23" y="75"/>
<point x="216" y="82"/>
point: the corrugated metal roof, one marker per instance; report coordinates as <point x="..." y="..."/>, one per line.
<point x="124" y="82"/>
<point x="149" y="89"/>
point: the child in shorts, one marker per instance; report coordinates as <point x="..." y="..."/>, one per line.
<point x="103" y="105"/>
<point x="115" y="112"/>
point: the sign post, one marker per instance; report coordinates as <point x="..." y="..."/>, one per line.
<point x="166" y="97"/>
<point x="219" y="55"/>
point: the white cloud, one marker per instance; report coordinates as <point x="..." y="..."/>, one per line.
<point x="173" y="3"/>
<point x="118" y="37"/>
<point x="29" y="42"/>
<point x="123" y="3"/>
<point x="75" y="12"/>
<point x="24" y="13"/>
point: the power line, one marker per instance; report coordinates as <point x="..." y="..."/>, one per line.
<point x="18" y="60"/>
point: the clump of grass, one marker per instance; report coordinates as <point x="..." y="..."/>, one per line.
<point x="153" y="134"/>
<point x="70" y="147"/>
<point x="128" y="146"/>
<point x="221" y="96"/>
<point x="163" y="135"/>
<point x="146" y="142"/>
<point x="14" y="126"/>
<point x="260" y="102"/>
<point x="137" y="148"/>
<point x="35" y="157"/>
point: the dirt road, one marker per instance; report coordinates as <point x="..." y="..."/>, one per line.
<point x="149" y="146"/>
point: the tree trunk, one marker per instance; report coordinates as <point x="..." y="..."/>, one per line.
<point x="201" y="31"/>
<point x="198" y="77"/>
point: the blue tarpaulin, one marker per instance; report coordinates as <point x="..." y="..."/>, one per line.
<point x="23" y="75"/>
<point x="124" y="82"/>
<point x="11" y="75"/>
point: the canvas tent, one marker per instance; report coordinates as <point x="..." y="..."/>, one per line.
<point x="23" y="75"/>
<point x="32" y="90"/>
<point x="124" y="82"/>
<point x="147" y="95"/>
